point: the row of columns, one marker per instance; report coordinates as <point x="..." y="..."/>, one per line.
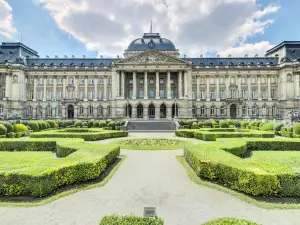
<point x="64" y="87"/>
<point x="182" y="79"/>
<point x="157" y="112"/>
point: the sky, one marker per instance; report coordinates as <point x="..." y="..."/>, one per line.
<point x="106" y="27"/>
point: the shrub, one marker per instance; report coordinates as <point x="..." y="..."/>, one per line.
<point x="205" y="136"/>
<point x="229" y="122"/>
<point x="18" y="134"/>
<point x="181" y="122"/>
<point x="78" y="123"/>
<point x="244" y="124"/>
<point x="3" y="130"/>
<point x="131" y="220"/>
<point x="200" y="124"/>
<point x="102" y="123"/>
<point x="10" y="135"/>
<point x="90" y="123"/>
<point x="20" y="128"/>
<point x="189" y="123"/>
<point x="34" y="125"/>
<point x="271" y="126"/>
<point x="214" y="123"/>
<point x="117" y="127"/>
<point x="223" y="124"/>
<point x="48" y="125"/>
<point x="51" y="123"/>
<point x="186" y="127"/>
<point x="229" y="221"/>
<point x="42" y="125"/>
<point x="194" y="125"/>
<point x="84" y="124"/>
<point x="112" y="124"/>
<point x="252" y="123"/>
<point x="237" y="123"/>
<point x="96" y="123"/>
<point x="258" y="123"/>
<point x="123" y="122"/>
<point x="207" y="123"/>
<point x="296" y="128"/>
<point x="184" y="133"/>
<point x="8" y="126"/>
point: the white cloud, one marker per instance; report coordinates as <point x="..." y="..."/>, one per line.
<point x="195" y="26"/>
<point x="6" y="27"/>
<point x="259" y="48"/>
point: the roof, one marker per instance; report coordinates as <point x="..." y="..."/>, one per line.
<point x="151" y="41"/>
<point x="282" y="44"/>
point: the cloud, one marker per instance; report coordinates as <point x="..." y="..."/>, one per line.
<point x="195" y="26"/>
<point x="6" y="27"/>
<point x="259" y="48"/>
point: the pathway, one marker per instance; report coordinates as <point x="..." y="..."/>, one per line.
<point x="146" y="178"/>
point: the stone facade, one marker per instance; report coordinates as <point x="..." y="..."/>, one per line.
<point x="148" y="84"/>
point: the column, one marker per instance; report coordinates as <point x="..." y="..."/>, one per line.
<point x="207" y="88"/>
<point x="249" y="87"/>
<point x="168" y="84"/>
<point x="134" y="86"/>
<point x="146" y="86"/>
<point x="258" y="87"/>
<point x="118" y="83"/>
<point x="283" y="86"/>
<point x="227" y="81"/>
<point x="95" y="88"/>
<point x="7" y="86"/>
<point x="123" y="84"/>
<point x="105" y="88"/>
<point x="64" y="87"/>
<point x="75" y="111"/>
<point x="185" y="84"/>
<point x="269" y="88"/>
<point x="85" y="88"/>
<point x="239" y="80"/>
<point x="76" y="87"/>
<point x="54" y="87"/>
<point x="45" y="89"/>
<point x="198" y="88"/>
<point x="296" y="85"/>
<point x="157" y="86"/>
<point x="180" y="84"/>
<point x="34" y="88"/>
<point x="217" y="88"/>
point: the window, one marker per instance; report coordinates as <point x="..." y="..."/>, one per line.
<point x="244" y="93"/>
<point x="222" y="110"/>
<point x="80" y="110"/>
<point x="263" y="93"/>
<point x="81" y="94"/>
<point x="172" y="81"/>
<point x="100" y="80"/>
<point x="212" y="110"/>
<point x="49" y="111"/>
<point x="172" y="93"/>
<point x="91" y="81"/>
<point x="194" y="110"/>
<point x="59" y="81"/>
<point x="212" y="94"/>
<point x="131" y="80"/>
<point x="254" y="110"/>
<point x="202" y="94"/>
<point x="109" y="94"/>
<point x="81" y="81"/>
<point x="91" y="94"/>
<point x="101" y="94"/>
<point x="100" y="111"/>
<point x="253" y="93"/>
<point x="222" y="93"/>
<point x="59" y="95"/>
<point x="151" y="92"/>
<point x="193" y="80"/>
<point x="162" y="93"/>
<point x="90" y="110"/>
<point x="141" y="94"/>
<point x="273" y="93"/>
<point x="161" y="80"/>
<point x="202" y="80"/>
<point x="203" y="110"/>
<point x="41" y="95"/>
<point x="30" y="94"/>
<point x="29" y="110"/>
<point x="274" y="110"/>
<point x="50" y="95"/>
<point x="109" y="110"/>
<point x="71" y="80"/>
<point x="130" y="93"/>
<point x="141" y="80"/>
<point x="233" y="93"/>
<point x="151" y="81"/>
<point x="31" y="81"/>
<point x="193" y="95"/>
<point x="273" y="80"/>
<point x="109" y="81"/>
<point x="212" y="80"/>
<point x="265" y="110"/>
<point x="1" y="109"/>
<point x="244" y="110"/>
<point x="41" y="81"/>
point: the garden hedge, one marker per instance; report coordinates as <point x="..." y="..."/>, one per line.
<point x="8" y="126"/>
<point x="3" y="130"/>
<point x="34" y="125"/>
<point x="219" y="162"/>
<point x="130" y="220"/>
<point x="229" y="221"/>
<point x="88" y="161"/>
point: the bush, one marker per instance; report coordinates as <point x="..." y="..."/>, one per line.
<point x="252" y="123"/>
<point x="186" y="127"/>
<point x="184" y="133"/>
<point x="112" y="124"/>
<point x="3" y="130"/>
<point x="11" y="135"/>
<point x="296" y="128"/>
<point x="271" y="126"/>
<point x="34" y="125"/>
<point x="20" y="128"/>
<point x="8" y="126"/>
<point x="51" y="123"/>
<point x="189" y="123"/>
<point x="229" y="221"/>
<point x="244" y="124"/>
<point x="130" y="220"/>
<point x="258" y="123"/>
<point x="200" y="124"/>
<point x="214" y="123"/>
<point x="237" y="123"/>
<point x="223" y="124"/>
<point x="205" y="136"/>
<point x="42" y="125"/>
<point x="207" y="123"/>
<point x="102" y="123"/>
<point x="181" y="122"/>
<point x="230" y="122"/>
<point x="90" y="123"/>
<point x="48" y="125"/>
<point x="122" y="123"/>
<point x="117" y="127"/>
<point x="194" y="125"/>
<point x="78" y="123"/>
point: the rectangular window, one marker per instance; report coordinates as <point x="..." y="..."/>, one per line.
<point x="222" y="94"/>
<point x="30" y="94"/>
<point x="172" y="81"/>
<point x="161" y="80"/>
<point x="50" y="81"/>
<point x="151" y="92"/>
<point x="141" y="80"/>
<point x="41" y="81"/>
<point x="253" y="93"/>
<point x="141" y="94"/>
<point x="91" y="94"/>
<point x="109" y="81"/>
<point x="59" y="94"/>
<point x="41" y="95"/>
<point x="273" y="93"/>
<point x="130" y="93"/>
<point x="100" y="80"/>
<point x="263" y="93"/>
<point x="81" y="95"/>
<point x="109" y="94"/>
<point x="50" y="95"/>
<point x="212" y="94"/>
<point x="151" y="81"/>
<point x="101" y="94"/>
<point x="202" y="80"/>
<point x="130" y="80"/>
<point x="91" y="81"/>
<point x="244" y="94"/>
<point x="162" y="93"/>
<point x="81" y="81"/>
<point x="31" y="81"/>
<point x="202" y="94"/>
<point x="193" y="95"/>
<point x="172" y="93"/>
<point x="233" y="93"/>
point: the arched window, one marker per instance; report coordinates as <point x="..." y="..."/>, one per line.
<point x="274" y="110"/>
<point x="80" y="110"/>
<point x="244" y="110"/>
<point x="254" y="110"/>
<point x="202" y="110"/>
<point x="265" y="110"/>
<point x="1" y="109"/>
<point x="222" y="110"/>
<point x="90" y="110"/>
<point x="39" y="111"/>
<point x="213" y="110"/>
<point x="49" y="111"/>
<point x="109" y="111"/>
<point x="29" y="110"/>
<point x="100" y="111"/>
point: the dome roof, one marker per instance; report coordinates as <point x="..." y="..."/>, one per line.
<point x="151" y="41"/>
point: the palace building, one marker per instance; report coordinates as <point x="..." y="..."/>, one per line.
<point x="150" y="82"/>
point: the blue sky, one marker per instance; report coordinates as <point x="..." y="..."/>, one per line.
<point x="58" y="29"/>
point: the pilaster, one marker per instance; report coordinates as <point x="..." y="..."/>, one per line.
<point x="157" y="85"/>
<point x="146" y="86"/>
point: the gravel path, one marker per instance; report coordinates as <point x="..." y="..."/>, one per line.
<point x="146" y="178"/>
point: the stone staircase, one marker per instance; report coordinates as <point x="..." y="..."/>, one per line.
<point x="151" y="126"/>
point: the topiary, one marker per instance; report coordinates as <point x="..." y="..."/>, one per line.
<point x="3" y="129"/>
<point x="213" y="123"/>
<point x="229" y="122"/>
<point x="42" y="125"/>
<point x="290" y="129"/>
<point x="123" y="122"/>
<point x="207" y="123"/>
<point x="51" y="123"/>
<point x="34" y="125"/>
<point x="117" y="127"/>
<point x="84" y="124"/>
<point x="8" y="126"/>
<point x="194" y="125"/>
<point x="223" y="124"/>
<point x="258" y="123"/>
<point x="244" y="124"/>
<point x="112" y="124"/>
<point x="78" y="123"/>
<point x="181" y="122"/>
<point x="200" y="124"/>
<point x="19" y="128"/>
<point x="296" y="128"/>
<point x="10" y="135"/>
<point x="189" y="123"/>
<point x="237" y="123"/>
<point x="47" y="124"/>
<point x="102" y="123"/>
<point x="252" y="123"/>
<point x="90" y="123"/>
<point x="96" y="123"/>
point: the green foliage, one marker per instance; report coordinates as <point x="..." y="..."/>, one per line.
<point x="112" y="124"/>
<point x="11" y="135"/>
<point x="244" y="124"/>
<point x="184" y="133"/>
<point x="194" y="125"/>
<point x="84" y="124"/>
<point x="229" y="221"/>
<point x="48" y="125"/>
<point x="252" y="123"/>
<point x="117" y="127"/>
<point x="130" y="220"/>
<point x="20" y="128"/>
<point x="90" y="123"/>
<point x="237" y="123"/>
<point x="296" y="128"/>
<point x="96" y="123"/>
<point x="8" y="126"/>
<point x="205" y="136"/>
<point x="269" y="126"/>
<point x="258" y="123"/>
<point x="223" y="124"/>
<point x="34" y="125"/>
<point x="186" y="127"/>
<point x="3" y="130"/>
<point x="181" y="122"/>
<point x="122" y="123"/>
<point x="51" y="123"/>
<point x="207" y="123"/>
<point x="200" y="124"/>
<point x="188" y="123"/>
<point x="42" y="125"/>
<point x="229" y="122"/>
<point x="102" y="123"/>
<point x="78" y="123"/>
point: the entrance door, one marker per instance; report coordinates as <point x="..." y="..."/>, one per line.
<point x="70" y="112"/>
<point x="233" y="111"/>
<point x="163" y="111"/>
<point x="151" y="111"/>
<point x="174" y="110"/>
<point x="140" y="111"/>
<point x="128" y="111"/>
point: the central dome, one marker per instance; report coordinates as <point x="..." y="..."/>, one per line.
<point x="151" y="41"/>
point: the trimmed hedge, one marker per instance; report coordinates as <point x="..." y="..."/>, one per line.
<point x="78" y="123"/>
<point x="8" y="126"/>
<point x="205" y="136"/>
<point x="34" y="125"/>
<point x="229" y="221"/>
<point x="184" y="133"/>
<point x="223" y="124"/>
<point x="3" y="130"/>
<point x="130" y="220"/>
<point x="20" y="128"/>
<point x="102" y="123"/>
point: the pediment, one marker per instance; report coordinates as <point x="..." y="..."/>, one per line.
<point x="152" y="57"/>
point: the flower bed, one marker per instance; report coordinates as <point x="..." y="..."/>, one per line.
<point x="229" y="221"/>
<point x="151" y="144"/>
<point x="130" y="220"/>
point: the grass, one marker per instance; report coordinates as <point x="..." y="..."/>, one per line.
<point x="150" y="144"/>
<point x="99" y="182"/>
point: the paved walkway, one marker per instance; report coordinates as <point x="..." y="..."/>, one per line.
<point x="146" y="178"/>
